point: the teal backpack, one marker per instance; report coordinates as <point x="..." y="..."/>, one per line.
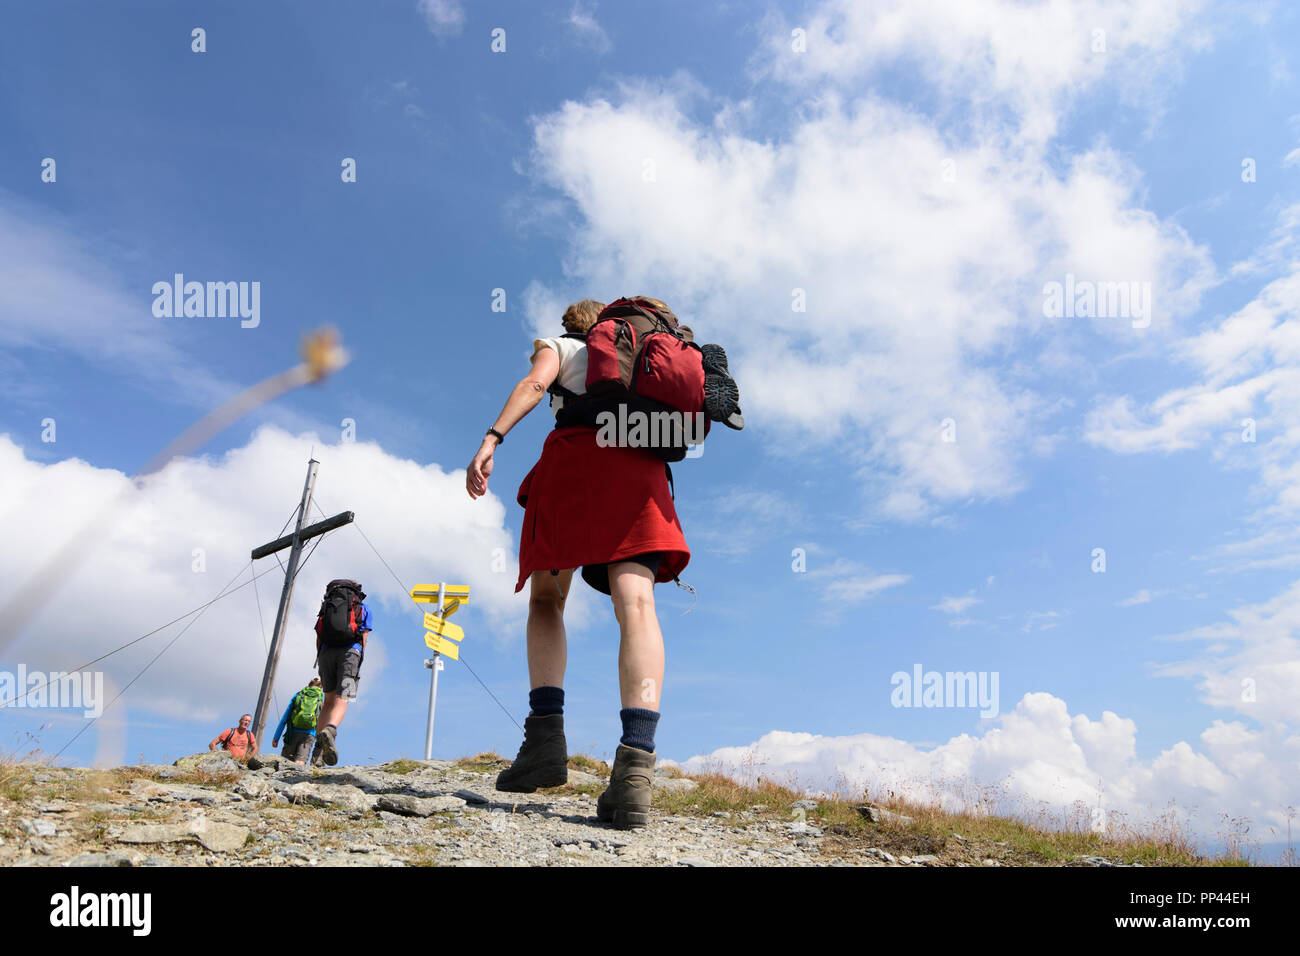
<point x="306" y="707"/>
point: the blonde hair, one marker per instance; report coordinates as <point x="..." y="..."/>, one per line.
<point x="581" y="316"/>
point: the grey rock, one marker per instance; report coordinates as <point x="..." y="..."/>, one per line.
<point x="803" y="829"/>
<point x="675" y="784"/>
<point x="113" y="858"/>
<point x="214" y="836"/>
<point x="38" y="828"/>
<point x="171" y="792"/>
<point x="469" y="796"/>
<point x="269" y="761"/>
<point x="880" y="815"/>
<point x="330" y="795"/>
<point x="409" y="806"/>
<point x="804" y="805"/>
<point x="880" y="854"/>
<point x="580" y="778"/>
<point x="55" y="806"/>
<point x="215" y="761"/>
<point x="251" y="788"/>
<point x="925" y="858"/>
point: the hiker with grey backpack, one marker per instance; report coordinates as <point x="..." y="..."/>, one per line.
<point x="299" y="720"/>
<point x="341" y="629"/>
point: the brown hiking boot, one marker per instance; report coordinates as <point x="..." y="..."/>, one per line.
<point x="326" y="747"/>
<point x="543" y="759"/>
<point x="626" y="802"/>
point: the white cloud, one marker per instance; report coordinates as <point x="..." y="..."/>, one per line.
<point x="916" y="288"/>
<point x="848" y="582"/>
<point x="1249" y="371"/>
<point x="955" y="605"/>
<point x="1142" y="597"/>
<point x="443" y="17"/>
<point x="588" y="31"/>
<point x="1251" y="665"/>
<point x="992" y="56"/>
<point x="1039" y="758"/>
<point x="138" y="572"/>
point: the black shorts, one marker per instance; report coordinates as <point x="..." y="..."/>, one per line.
<point x="340" y="670"/>
<point x="597" y="575"/>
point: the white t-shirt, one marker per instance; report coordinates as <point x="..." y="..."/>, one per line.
<point x="573" y="365"/>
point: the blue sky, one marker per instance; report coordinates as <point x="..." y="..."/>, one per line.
<point x="918" y="175"/>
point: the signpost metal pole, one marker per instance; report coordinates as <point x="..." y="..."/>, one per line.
<point x="433" y="681"/>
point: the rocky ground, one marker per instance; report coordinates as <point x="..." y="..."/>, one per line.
<point x="209" y="810"/>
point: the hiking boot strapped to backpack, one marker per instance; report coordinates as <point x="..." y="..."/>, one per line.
<point x="639" y="356"/>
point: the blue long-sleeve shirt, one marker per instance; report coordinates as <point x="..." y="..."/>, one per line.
<point x="279" y="730"/>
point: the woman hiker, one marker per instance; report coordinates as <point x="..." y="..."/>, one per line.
<point x="608" y="510"/>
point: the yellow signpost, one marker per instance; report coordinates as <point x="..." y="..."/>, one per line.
<point x="443" y="628"/>
<point x="439" y="646"/>
<point x="440" y="636"/>
<point x="430" y="594"/>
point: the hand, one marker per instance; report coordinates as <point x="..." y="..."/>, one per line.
<point x="476" y="475"/>
<point x="275" y="742"/>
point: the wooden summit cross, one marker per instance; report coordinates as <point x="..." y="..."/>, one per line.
<point x="294" y="542"/>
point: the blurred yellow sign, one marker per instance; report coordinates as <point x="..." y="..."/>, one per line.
<point x="440" y="646"/>
<point x="428" y="593"/>
<point x="443" y="628"/>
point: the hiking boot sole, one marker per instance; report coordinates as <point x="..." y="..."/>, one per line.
<point x="622" y="819"/>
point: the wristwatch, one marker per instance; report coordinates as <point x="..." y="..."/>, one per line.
<point x="500" y="437"/>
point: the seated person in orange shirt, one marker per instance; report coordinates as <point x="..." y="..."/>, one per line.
<point x="239" y="742"/>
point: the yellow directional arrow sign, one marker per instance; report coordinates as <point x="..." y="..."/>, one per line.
<point x="428" y="593"/>
<point x="440" y="646"/>
<point x="452" y="607"/>
<point x="446" y="629"/>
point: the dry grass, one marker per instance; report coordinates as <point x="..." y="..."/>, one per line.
<point x="1035" y="839"/>
<point x="589" y="765"/>
<point x="486" y="762"/>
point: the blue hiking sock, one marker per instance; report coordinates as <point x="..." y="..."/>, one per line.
<point x="639" y="728"/>
<point x="545" y="701"/>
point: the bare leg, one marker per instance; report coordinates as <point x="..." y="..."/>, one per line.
<point x="547" y="646"/>
<point x="641" y="649"/>
<point x="332" y="712"/>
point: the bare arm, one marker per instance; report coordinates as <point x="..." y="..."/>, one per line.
<point x="524" y="397"/>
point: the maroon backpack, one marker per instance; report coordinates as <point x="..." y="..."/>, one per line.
<point x="639" y="357"/>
